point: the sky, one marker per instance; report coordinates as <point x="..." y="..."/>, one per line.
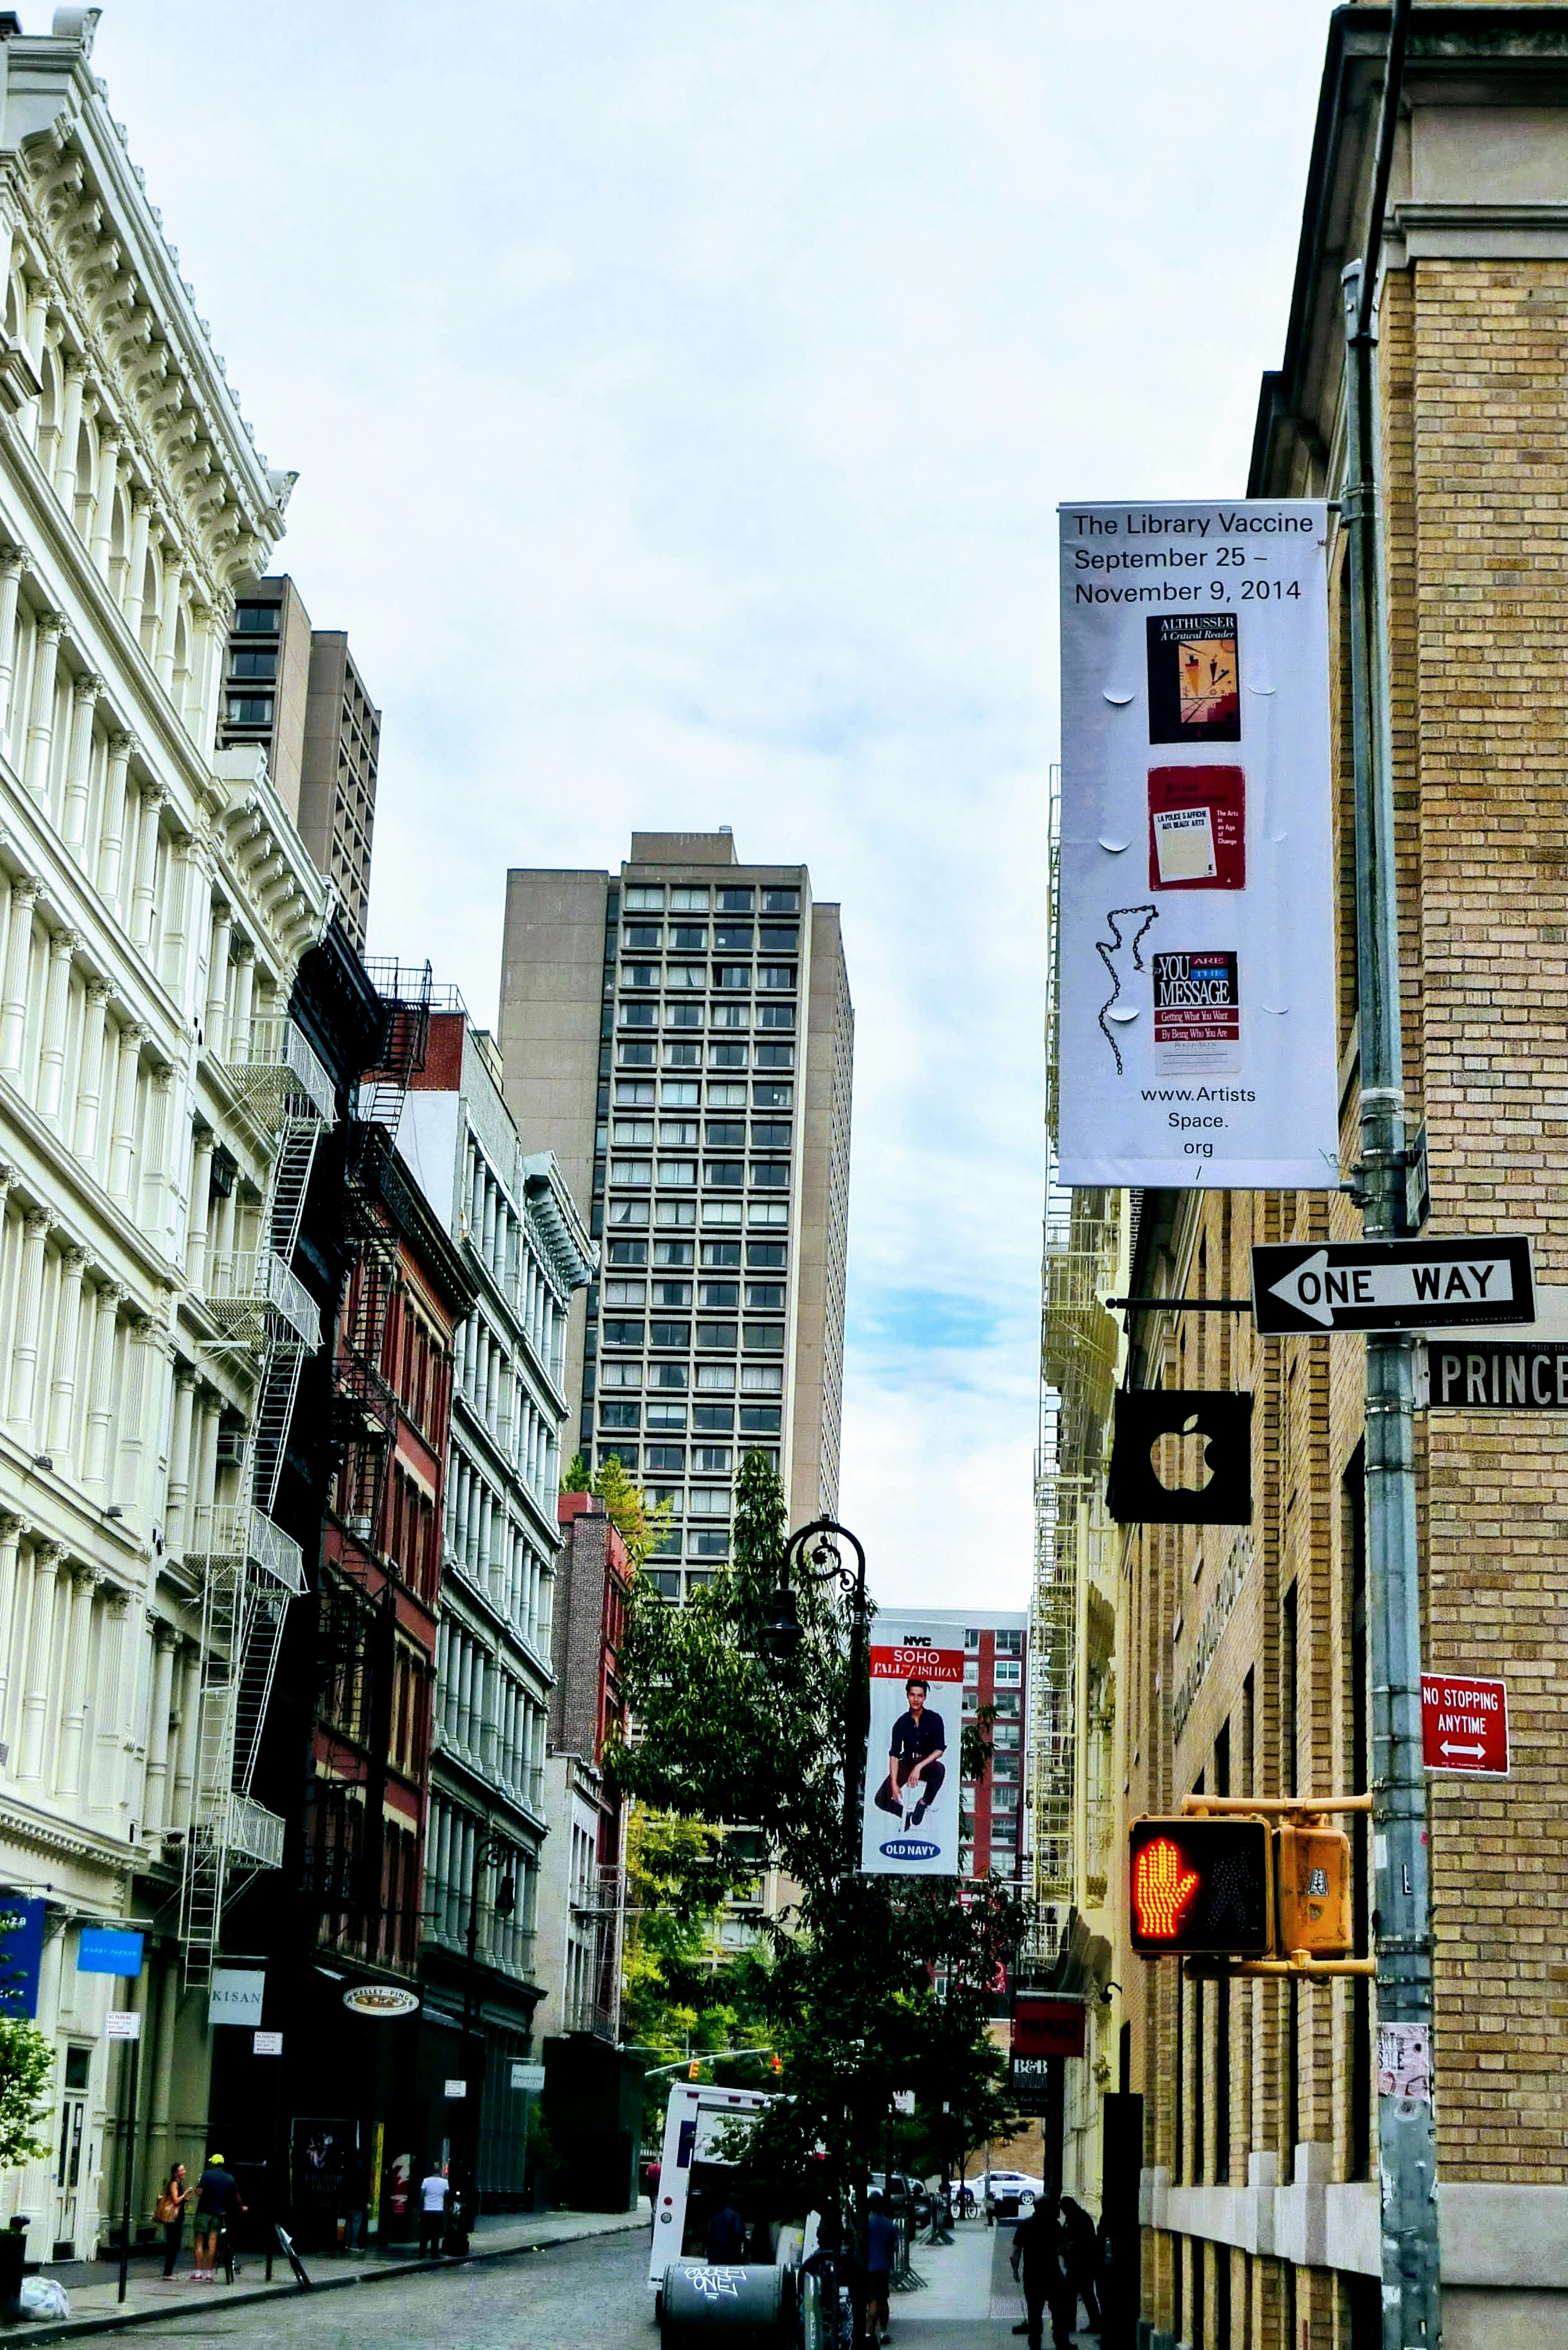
<point x="681" y="392"/>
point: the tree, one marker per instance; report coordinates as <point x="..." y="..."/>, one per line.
<point x="26" y="2070"/>
<point x="849" y="1987"/>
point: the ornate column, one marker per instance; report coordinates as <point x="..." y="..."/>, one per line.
<point x="18" y="961"/>
<point x="215" y="1022"/>
<point x="38" y="296"/>
<point x="101" y="533"/>
<point x="244" y="990"/>
<point x="111" y="831"/>
<point x="12" y="565"/>
<point x="63" y="949"/>
<point x="41" y="706"/>
<point x="70" y="433"/>
<point x="48" y="1558"/>
<point x="84" y="1582"/>
<point x="152" y="797"/>
<point x="149" y="1348"/>
<point x="25" y="1342"/>
<point x="169" y="621"/>
<point x="90" y="1082"/>
<point x="63" y="1385"/>
<point x="201" y="1207"/>
<point x="165" y="1640"/>
<point x="12" y="1528"/>
<point x="122" y="1132"/>
<point x="176" y="918"/>
<point x="189" y="1687"/>
<point x="175" y="1516"/>
<point x="136" y="565"/>
<point x="107" y="1303"/>
<point x="108" y="1702"/>
<point x="156" y="1219"/>
<point x="85" y="696"/>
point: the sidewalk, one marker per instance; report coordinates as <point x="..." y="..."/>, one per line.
<point x="149" y="2300"/>
<point x="969" y="2299"/>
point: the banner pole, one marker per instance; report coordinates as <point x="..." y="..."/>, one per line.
<point x="1402" y="1918"/>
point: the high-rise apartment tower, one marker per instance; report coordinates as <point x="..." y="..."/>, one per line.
<point x="294" y="689"/>
<point x="680" y="1035"/>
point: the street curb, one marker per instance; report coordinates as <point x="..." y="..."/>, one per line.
<point x="59" y="2329"/>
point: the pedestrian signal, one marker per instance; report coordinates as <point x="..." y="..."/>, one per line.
<point x="1201" y="1886"/>
<point x="1314" y="1892"/>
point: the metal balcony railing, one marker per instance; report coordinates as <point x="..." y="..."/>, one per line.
<point x="255" y="1833"/>
<point x="277" y="1074"/>
<point x="237" y="1532"/>
<point x="244" y="1286"/>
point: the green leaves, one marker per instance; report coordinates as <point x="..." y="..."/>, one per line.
<point x="26" y="2072"/>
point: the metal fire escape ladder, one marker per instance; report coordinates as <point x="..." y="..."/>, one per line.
<point x="251" y="1568"/>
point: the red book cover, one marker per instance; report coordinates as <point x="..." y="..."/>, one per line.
<point x="1197" y="828"/>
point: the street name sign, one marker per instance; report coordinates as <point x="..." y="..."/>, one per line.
<point x="1417" y="1284"/>
<point x="1464" y="1725"/>
<point x="1495" y="1376"/>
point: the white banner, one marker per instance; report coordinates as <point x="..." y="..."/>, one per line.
<point x="1197" y="1038"/>
<point x="910" y="1823"/>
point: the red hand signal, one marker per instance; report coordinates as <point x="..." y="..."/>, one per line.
<point x="1162" y="1888"/>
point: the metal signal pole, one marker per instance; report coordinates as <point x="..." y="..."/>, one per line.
<point x="1406" y="2131"/>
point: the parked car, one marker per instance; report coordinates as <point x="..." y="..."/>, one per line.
<point x="904" y="2193"/>
<point x="1004" y="2191"/>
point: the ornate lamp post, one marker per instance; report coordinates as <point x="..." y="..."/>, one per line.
<point x="814" y="1555"/>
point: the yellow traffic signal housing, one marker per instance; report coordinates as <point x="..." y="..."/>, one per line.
<point x="693" y="2070"/>
<point x="1314" y="1895"/>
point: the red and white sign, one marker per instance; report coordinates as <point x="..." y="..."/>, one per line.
<point x="1464" y="1725"/>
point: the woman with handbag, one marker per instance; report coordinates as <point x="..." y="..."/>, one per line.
<point x="170" y="2208"/>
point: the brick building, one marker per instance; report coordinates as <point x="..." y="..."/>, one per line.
<point x="1240" y="1658"/>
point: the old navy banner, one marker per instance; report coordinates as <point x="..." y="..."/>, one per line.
<point x="910" y="1826"/>
<point x="1196" y="1037"/>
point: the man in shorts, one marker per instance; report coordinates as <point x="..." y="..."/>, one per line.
<point x="217" y="2201"/>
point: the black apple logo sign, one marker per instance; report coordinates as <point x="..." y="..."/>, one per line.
<point x="1185" y="1454"/>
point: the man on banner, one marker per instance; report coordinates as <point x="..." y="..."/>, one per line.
<point x="915" y="1768"/>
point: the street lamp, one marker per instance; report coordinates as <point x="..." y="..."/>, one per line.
<point x="489" y="1852"/>
<point x="813" y="1554"/>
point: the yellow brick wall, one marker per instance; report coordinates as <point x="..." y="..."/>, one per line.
<point x="1474" y="360"/>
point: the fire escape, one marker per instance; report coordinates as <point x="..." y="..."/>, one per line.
<point x="358" y="1648"/>
<point x="248" y="1568"/>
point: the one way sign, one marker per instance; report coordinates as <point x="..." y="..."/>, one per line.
<point x="1420" y="1284"/>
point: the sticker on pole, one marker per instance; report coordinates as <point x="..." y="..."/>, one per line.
<point x="1404" y="2062"/>
<point x="1464" y="1725"/>
<point x="1421" y="1285"/>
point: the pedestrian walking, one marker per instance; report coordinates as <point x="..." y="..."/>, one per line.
<point x="726" y="2239"/>
<point x="1082" y="2258"/>
<point x="1037" y="2252"/>
<point x="433" y="2194"/>
<point x="170" y="2208"/>
<point x="355" y="2197"/>
<point x="882" y="2251"/>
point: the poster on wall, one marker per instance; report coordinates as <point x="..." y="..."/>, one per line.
<point x="910" y="1823"/>
<point x="1195" y="910"/>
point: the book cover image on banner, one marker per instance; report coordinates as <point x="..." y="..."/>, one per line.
<point x="1195" y="909"/>
<point x="909" y="1827"/>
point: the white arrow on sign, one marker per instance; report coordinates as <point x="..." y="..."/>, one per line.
<point x="1315" y="1287"/>
<point x="1448" y="1748"/>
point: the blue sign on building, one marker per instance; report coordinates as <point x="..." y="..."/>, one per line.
<point x="21" y="1953"/>
<point x="108" y="1950"/>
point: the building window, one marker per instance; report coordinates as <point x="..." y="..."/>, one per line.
<point x="763" y="1337"/>
<point x="685" y="975"/>
<point x="643" y="935"/>
<point x="779" y="941"/>
<point x="733" y="938"/>
<point x="760" y="1419"/>
<point x="722" y="1173"/>
<point x="633" y="1129"/>
<point x="770" y="1134"/>
<point x="732" y="1015"/>
<point x="629" y="1252"/>
<point x="618" y="1415"/>
<point x="640" y="974"/>
<point x="709" y="1500"/>
<point x="770" y="1211"/>
<point x="719" y="1253"/>
<point x="256" y="619"/>
<point x="775" y="1056"/>
<point x="683" y="1015"/>
<point x="665" y="1584"/>
<point x="781" y="901"/>
<point x="716" y="1379"/>
<point x="639" y="1015"/>
<point x="628" y="1211"/>
<point x="686" y="900"/>
<point x="675" y="1211"/>
<point x="720" y="1211"/>
<point x="674" y="1172"/>
<point x="667" y="1457"/>
<point x="727" y="1056"/>
<point x="735" y="901"/>
<point x="1009" y="1673"/>
<point x="720" y="1336"/>
<point x="672" y="1252"/>
<point x="251" y="661"/>
<point x="710" y="1460"/>
<point x="681" y="1093"/>
<point x="634" y="1092"/>
<point x="249" y="709"/>
<point x="635" y="1056"/>
<point x="709" y="1541"/>
<point x="762" y="1379"/>
<point x="624" y="1453"/>
<point x="631" y="1171"/>
<point x="1010" y="1644"/>
<point x="724" y="1093"/>
<point x="779" y="977"/>
<point x="765" y="1296"/>
<point x="713" y="1419"/>
<point x="731" y="975"/>
<point x="666" y="1416"/>
<point x="683" y="1056"/>
<point x="770" y="1175"/>
<point x="774" y="1015"/>
<point x="667" y="1375"/>
<point x="642" y="899"/>
<point x="772" y="1096"/>
<point x="625" y="1293"/>
<point x="672" y="1334"/>
<point x="616" y="1374"/>
<point x="688" y="938"/>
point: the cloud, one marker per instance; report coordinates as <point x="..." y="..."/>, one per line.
<point x="681" y="394"/>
